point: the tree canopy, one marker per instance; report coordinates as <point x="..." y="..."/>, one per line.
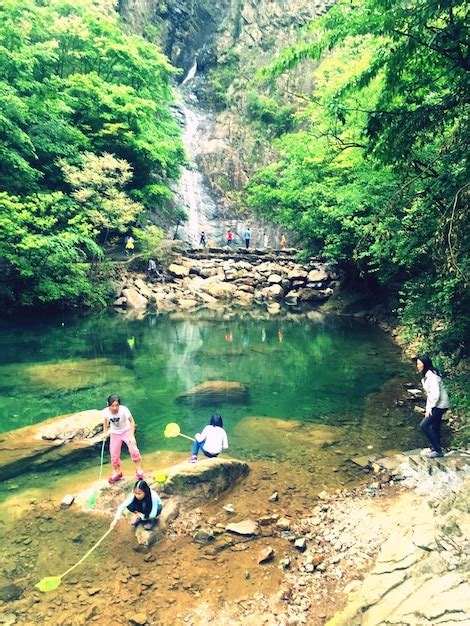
<point x="376" y="171"/>
<point x="87" y="142"/>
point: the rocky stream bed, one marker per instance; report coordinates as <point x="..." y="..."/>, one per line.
<point x="250" y="548"/>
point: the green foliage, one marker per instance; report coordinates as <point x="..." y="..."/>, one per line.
<point x="149" y="240"/>
<point x="221" y="78"/>
<point x="97" y="186"/>
<point x="87" y="140"/>
<point x="377" y="174"/>
<point x="267" y="111"/>
<point x="45" y="262"/>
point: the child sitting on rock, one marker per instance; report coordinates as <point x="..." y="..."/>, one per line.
<point x="144" y="502"/>
<point x="212" y="441"/>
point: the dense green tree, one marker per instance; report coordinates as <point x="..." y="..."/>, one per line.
<point x="88" y="143"/>
<point x="379" y="172"/>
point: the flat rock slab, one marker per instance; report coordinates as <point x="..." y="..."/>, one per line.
<point x="421" y="573"/>
<point x="246" y="527"/>
<point x="207" y="477"/>
<point x="283" y="435"/>
<point x="49" y="442"/>
<point x="215" y="392"/>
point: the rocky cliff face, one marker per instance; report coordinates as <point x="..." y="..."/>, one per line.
<point x="183" y="28"/>
<point x="229" y="40"/>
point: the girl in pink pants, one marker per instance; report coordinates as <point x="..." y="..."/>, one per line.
<point x="121" y="425"/>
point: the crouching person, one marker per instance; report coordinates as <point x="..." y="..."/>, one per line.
<point x="144" y="503"/>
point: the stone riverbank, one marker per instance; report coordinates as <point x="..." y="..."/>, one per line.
<point x="252" y="553"/>
<point x="215" y="277"/>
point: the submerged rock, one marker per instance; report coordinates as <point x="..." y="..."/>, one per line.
<point x="215" y="392"/>
<point x="9" y="591"/>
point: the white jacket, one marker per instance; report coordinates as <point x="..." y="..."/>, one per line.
<point x="215" y="439"/>
<point x="436" y="394"/>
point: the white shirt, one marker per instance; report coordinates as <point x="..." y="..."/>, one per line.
<point x="436" y="394"/>
<point x="118" y="423"/>
<point x="215" y="439"/>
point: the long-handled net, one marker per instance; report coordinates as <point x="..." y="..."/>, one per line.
<point x="52" y="582"/>
<point x="173" y="430"/>
<point x="92" y="499"/>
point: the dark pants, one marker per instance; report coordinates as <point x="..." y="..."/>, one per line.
<point x="247" y="243"/>
<point x="431" y="427"/>
<point x="199" y="446"/>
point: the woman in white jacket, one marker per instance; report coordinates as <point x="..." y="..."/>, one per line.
<point x="437" y="403"/>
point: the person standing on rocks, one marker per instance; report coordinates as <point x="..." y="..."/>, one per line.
<point x="229" y="237"/>
<point x="129" y="244"/>
<point x="282" y="241"/>
<point x="202" y="239"/>
<point x="144" y="502"/>
<point x="247" y="237"/>
<point x="121" y="424"/>
<point x="437" y="403"/>
<point x="212" y="441"/>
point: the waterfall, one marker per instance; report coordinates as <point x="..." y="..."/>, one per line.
<point x="191" y="74"/>
<point x="193" y="193"/>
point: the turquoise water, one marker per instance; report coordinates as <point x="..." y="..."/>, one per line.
<point x="322" y="371"/>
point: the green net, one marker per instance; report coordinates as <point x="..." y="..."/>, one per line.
<point x="160" y="477"/>
<point x="49" y="583"/>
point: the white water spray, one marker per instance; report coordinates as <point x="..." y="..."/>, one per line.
<point x="193" y="193"/>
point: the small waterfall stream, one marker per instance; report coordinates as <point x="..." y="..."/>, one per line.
<point x="194" y="195"/>
<point x="193" y="192"/>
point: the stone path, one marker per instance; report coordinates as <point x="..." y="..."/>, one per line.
<point x="421" y="573"/>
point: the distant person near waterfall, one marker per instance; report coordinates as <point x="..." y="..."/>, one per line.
<point x="229" y="237"/>
<point x="247" y="237"/>
<point x="202" y="239"/>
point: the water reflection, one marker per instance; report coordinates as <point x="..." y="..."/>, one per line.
<point x="332" y="379"/>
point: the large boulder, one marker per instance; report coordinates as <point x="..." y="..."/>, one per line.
<point x="274" y="292"/>
<point x="317" y="276"/>
<point x="218" y="289"/>
<point x="214" y="392"/>
<point x="312" y="295"/>
<point x="134" y="299"/>
<point x="274" y="279"/>
<point x="206" y="478"/>
<point x="243" y="298"/>
<point x="170" y="512"/>
<point x="297" y="274"/>
<point x="144" y="289"/>
<point x="45" y="444"/>
<point x="179" y="271"/>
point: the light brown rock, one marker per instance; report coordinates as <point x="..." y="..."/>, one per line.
<point x="134" y="299"/>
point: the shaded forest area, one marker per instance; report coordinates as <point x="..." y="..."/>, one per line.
<point x="375" y="172"/>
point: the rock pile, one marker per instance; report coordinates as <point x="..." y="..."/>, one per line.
<point x="239" y="280"/>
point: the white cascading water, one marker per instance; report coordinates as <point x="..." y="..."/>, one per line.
<point x="193" y="194"/>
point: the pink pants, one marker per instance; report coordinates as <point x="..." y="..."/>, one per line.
<point x="115" y="443"/>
